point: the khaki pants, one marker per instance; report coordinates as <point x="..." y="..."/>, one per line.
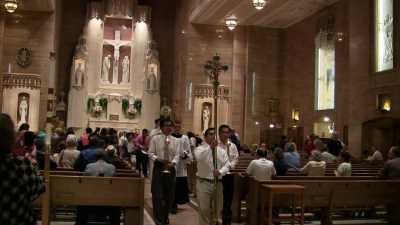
<point x="205" y="196"/>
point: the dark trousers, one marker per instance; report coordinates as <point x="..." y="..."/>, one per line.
<point x="141" y="162"/>
<point x="163" y="193"/>
<point x="82" y="214"/>
<point x="227" y="182"/>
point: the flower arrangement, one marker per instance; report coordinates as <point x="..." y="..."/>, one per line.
<point x="131" y="109"/>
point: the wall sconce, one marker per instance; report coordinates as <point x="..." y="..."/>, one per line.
<point x="340" y="36"/>
<point x="231" y="22"/>
<point x="384" y="102"/>
<point x="295" y="115"/>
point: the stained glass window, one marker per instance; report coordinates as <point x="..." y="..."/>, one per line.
<point x="325" y="71"/>
<point x="383" y="35"/>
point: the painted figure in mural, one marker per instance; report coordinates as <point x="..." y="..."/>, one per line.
<point x="206" y="117"/>
<point x="23" y="110"/>
<point x="106" y="68"/>
<point x="78" y="75"/>
<point x="125" y="70"/>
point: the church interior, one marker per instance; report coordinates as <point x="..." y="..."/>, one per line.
<point x="276" y="71"/>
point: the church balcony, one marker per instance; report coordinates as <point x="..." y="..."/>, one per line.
<point x="21" y="80"/>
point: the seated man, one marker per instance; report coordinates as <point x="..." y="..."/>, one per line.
<point x="103" y="169"/>
<point x="291" y="156"/>
<point x="391" y="169"/>
<point x="261" y="168"/>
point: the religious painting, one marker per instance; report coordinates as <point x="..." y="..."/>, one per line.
<point x="78" y="73"/>
<point x="325" y="72"/>
<point x="383" y="35"/>
<point x="23" y="109"/>
<point x="206" y="116"/>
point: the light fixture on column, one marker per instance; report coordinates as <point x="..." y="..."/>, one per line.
<point x="231" y="22"/>
<point x="11" y="5"/>
<point x="259" y="4"/>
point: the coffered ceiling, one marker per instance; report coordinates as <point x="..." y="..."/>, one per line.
<point x="276" y="13"/>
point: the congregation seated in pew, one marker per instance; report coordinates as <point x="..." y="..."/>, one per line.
<point x="261" y="168"/>
<point x="315" y="167"/>
<point x="344" y="169"/>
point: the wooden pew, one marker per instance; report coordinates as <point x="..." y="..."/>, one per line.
<point x="124" y="192"/>
<point x="331" y="194"/>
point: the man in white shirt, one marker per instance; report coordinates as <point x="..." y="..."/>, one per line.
<point x="261" y="168"/>
<point x="164" y="151"/>
<point x="224" y="131"/>
<point x="206" y="172"/>
<point x="156" y="130"/>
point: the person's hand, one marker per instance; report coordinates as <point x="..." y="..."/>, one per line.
<point x="216" y="173"/>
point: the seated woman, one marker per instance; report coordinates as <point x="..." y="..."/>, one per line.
<point x="376" y="155"/>
<point x="280" y="164"/>
<point x="69" y="155"/>
<point x="315" y="167"/>
<point x="344" y="169"/>
<point x="20" y="183"/>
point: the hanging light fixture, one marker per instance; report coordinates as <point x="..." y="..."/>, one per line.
<point x="259" y="4"/>
<point x="11" y="5"/>
<point x="231" y="22"/>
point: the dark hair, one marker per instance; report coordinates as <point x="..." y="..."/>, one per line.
<point x="396" y="151"/>
<point x="7" y="134"/>
<point x="163" y="122"/>
<point x="223" y="126"/>
<point x="208" y="131"/>
<point x="278" y="153"/>
<point x="261" y="153"/>
<point x="29" y="139"/>
<point x="24" y="126"/>
<point x="70" y="130"/>
<point x="100" y="154"/>
<point x="145" y="131"/>
<point x="157" y="121"/>
<point x="88" y="130"/>
<point x="345" y="156"/>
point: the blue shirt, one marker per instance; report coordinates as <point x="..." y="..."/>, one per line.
<point x="292" y="159"/>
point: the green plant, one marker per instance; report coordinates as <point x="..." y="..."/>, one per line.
<point x="89" y="104"/>
<point x="138" y="105"/>
<point x="103" y="103"/>
<point x="125" y="104"/>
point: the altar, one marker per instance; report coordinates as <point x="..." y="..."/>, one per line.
<point x="115" y="70"/>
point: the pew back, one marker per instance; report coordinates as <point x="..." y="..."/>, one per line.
<point x="330" y="194"/>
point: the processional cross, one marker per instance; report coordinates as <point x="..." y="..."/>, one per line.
<point x="117" y="43"/>
<point x="213" y="69"/>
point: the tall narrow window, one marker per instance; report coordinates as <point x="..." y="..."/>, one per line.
<point x="383" y="35"/>
<point x="325" y="71"/>
<point x="253" y="93"/>
<point x="189" y="90"/>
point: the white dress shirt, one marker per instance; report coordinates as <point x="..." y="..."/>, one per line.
<point x="157" y="148"/>
<point x="232" y="152"/>
<point x="181" y="170"/>
<point x="261" y="169"/>
<point x="205" y="166"/>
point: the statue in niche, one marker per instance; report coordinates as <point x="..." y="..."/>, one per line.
<point x="23" y="107"/>
<point x="151" y="81"/>
<point x="117" y="43"/>
<point x="106" y="69"/>
<point x="206" y="116"/>
<point x="125" y="70"/>
<point x="79" y="75"/>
